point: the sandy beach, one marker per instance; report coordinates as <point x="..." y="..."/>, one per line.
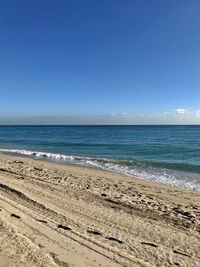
<point x="57" y="215"/>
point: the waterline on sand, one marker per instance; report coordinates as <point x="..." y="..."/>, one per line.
<point x="177" y="178"/>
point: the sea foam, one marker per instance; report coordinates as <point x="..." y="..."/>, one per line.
<point x="170" y="177"/>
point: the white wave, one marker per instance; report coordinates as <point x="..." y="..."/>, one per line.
<point x="180" y="179"/>
<point x="174" y="178"/>
<point x="38" y="154"/>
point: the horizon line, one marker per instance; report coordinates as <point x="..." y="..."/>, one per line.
<point x="99" y="125"/>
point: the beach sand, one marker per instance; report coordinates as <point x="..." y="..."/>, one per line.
<point x="57" y="215"/>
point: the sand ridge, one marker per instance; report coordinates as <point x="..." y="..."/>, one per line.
<point x="75" y="216"/>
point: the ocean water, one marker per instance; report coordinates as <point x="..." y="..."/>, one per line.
<point x="164" y="154"/>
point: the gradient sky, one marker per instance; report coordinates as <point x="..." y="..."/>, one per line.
<point x="110" y="60"/>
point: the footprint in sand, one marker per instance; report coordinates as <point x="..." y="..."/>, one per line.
<point x="64" y="227"/>
<point x="114" y="239"/>
<point x="15" y="216"/>
<point x="149" y="244"/>
<point x="94" y="232"/>
<point x="42" y="221"/>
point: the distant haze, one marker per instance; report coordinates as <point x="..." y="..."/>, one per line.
<point x="179" y="116"/>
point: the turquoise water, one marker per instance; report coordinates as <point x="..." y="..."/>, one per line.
<point x="165" y="154"/>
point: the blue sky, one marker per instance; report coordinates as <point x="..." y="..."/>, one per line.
<point x="113" y="59"/>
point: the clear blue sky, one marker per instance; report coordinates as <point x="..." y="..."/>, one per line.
<point x="99" y="57"/>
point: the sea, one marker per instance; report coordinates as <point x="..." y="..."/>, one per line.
<point x="163" y="154"/>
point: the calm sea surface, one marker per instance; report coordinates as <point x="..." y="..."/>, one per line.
<point x="165" y="154"/>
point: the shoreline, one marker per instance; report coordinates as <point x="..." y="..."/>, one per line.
<point x="171" y="177"/>
<point x="87" y="217"/>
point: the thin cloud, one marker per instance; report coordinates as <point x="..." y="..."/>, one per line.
<point x="181" y="111"/>
<point x="188" y="112"/>
<point x="116" y="114"/>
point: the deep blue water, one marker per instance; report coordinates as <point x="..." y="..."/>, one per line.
<point x="167" y="154"/>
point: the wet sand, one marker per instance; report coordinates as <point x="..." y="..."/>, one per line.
<point x="58" y="215"/>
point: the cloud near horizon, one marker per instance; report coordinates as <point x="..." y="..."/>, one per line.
<point x="176" y="116"/>
<point x="187" y="112"/>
